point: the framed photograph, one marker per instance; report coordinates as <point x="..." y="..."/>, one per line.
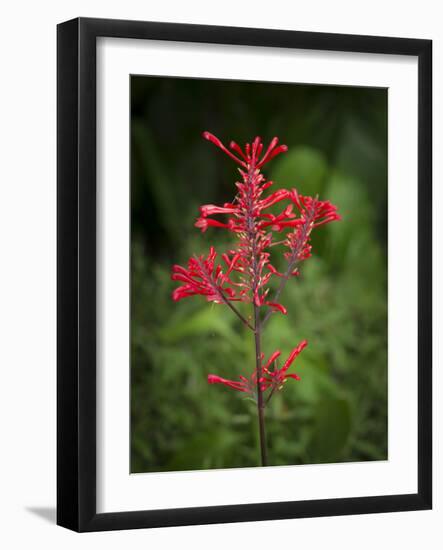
<point x="244" y="274"/>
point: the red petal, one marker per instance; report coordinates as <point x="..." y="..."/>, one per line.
<point x="294" y="376"/>
<point x="272" y="358"/>
<point x="204" y="223"/>
<point x="272" y="154"/>
<point x="296" y="351"/>
<point x="211" y="209"/>
<point x="279" y="307"/>
<point x="278" y="196"/>
<point x="237" y="149"/>
<point x="273" y="270"/>
<point x="214" y="379"/>
<point x="210" y="137"/>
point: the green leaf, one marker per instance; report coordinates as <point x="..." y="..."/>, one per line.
<point x="219" y="441"/>
<point x="155" y="175"/>
<point x="210" y="320"/>
<point x="355" y="228"/>
<point x="332" y="426"/>
<point x="304" y="168"/>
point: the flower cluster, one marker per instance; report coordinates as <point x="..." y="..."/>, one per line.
<point x="313" y="213"/>
<point x="274" y="379"/>
<point x="248" y="218"/>
<point x="271" y="379"/>
<point x="202" y="277"/>
<point x="245" y="272"/>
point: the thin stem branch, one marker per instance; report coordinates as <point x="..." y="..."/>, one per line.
<point x="278" y="242"/>
<point x="235" y="310"/>
<point x="280" y="288"/>
<point x="270" y="395"/>
<point x="293" y="261"/>
<point x="223" y="296"/>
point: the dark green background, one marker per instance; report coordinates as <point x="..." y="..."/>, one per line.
<point x="337" y="138"/>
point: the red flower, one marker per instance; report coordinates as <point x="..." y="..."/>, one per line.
<point x="319" y="212"/>
<point x="250" y="156"/>
<point x="270" y="379"/>
<point x="313" y="213"/>
<point x="275" y="378"/>
<point x="214" y="379"/>
<point x="248" y="270"/>
<point x="244" y="384"/>
<point x="205" y="278"/>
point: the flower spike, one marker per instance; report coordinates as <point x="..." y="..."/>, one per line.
<point x="261" y="222"/>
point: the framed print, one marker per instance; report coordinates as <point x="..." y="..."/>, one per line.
<point x="244" y="274"/>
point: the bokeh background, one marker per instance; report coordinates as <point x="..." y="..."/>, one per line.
<point x="337" y="138"/>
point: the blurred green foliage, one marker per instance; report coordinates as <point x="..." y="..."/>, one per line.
<point x="337" y="138"/>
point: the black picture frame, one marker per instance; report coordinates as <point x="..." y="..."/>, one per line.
<point x="76" y="274"/>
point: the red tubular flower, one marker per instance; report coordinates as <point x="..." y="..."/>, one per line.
<point x="320" y="211"/>
<point x="214" y="379"/>
<point x="275" y="378"/>
<point x="245" y="385"/>
<point x="250" y="156"/>
<point x="204" y="278"/>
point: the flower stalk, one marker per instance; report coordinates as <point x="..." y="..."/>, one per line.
<point x="260" y="402"/>
<point x="246" y="271"/>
